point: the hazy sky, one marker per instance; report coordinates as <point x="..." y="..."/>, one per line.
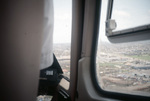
<point x="127" y="13"/>
<point x="62" y="21"/>
<point x="131" y="14"/>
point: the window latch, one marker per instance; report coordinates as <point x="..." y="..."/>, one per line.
<point x="110" y="26"/>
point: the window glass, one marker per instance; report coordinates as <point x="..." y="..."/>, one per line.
<point x="62" y="33"/>
<point x="123" y="67"/>
<point x="131" y="13"/>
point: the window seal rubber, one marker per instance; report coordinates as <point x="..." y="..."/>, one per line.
<point x="99" y="90"/>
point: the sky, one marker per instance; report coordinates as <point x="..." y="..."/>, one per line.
<point x="132" y="13"/>
<point x="62" y="21"/>
<point x="127" y="14"/>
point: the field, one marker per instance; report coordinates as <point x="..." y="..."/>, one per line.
<point x="62" y="53"/>
<point x="120" y="67"/>
<point x="124" y="67"/>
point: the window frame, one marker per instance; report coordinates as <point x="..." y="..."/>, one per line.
<point x="113" y="39"/>
<point x="124" y="31"/>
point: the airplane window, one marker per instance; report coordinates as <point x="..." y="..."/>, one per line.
<point x="62" y="33"/>
<point x="124" y="67"/>
<point x="130" y="13"/>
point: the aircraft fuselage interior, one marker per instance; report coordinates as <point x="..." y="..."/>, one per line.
<point x="75" y="50"/>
